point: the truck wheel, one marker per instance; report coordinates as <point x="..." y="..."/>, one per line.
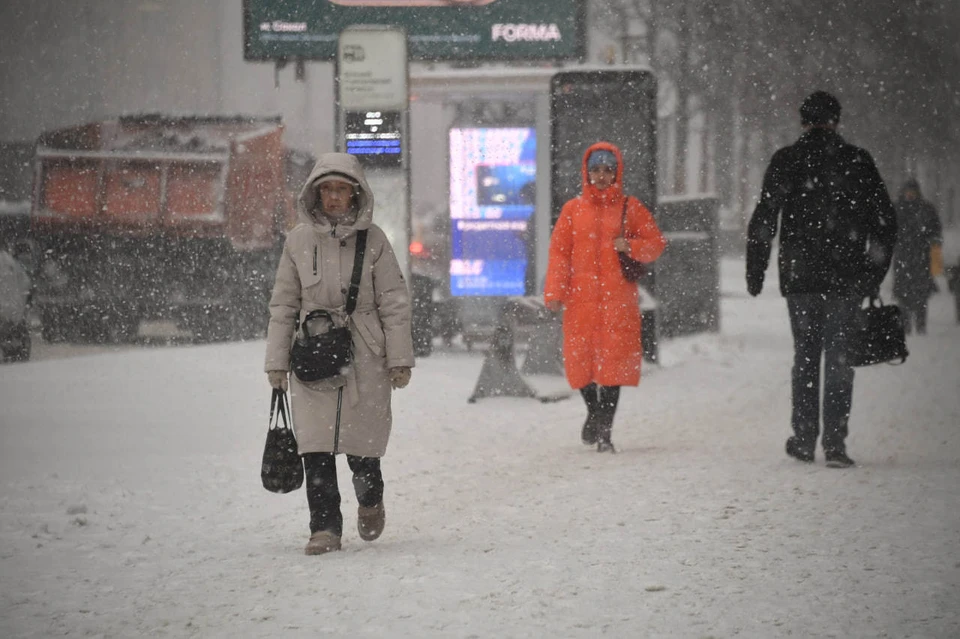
<point x="21" y="353"/>
<point x="211" y="324"/>
<point x="51" y="328"/>
<point x="84" y="327"/>
<point x="122" y="330"/>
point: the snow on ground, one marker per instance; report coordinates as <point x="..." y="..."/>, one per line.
<point x="130" y="502"/>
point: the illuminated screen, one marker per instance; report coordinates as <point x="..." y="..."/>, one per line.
<point x="374" y="137"/>
<point x="492" y="189"/>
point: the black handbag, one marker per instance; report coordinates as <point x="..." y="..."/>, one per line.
<point x="633" y="271"/>
<point x="282" y="467"/>
<point x="323" y="355"/>
<point x="876" y="335"/>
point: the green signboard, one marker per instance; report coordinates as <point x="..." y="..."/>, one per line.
<point x="436" y="29"/>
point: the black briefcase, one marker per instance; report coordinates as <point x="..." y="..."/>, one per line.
<point x="876" y="335"/>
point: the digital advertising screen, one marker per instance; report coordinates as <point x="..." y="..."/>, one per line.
<point x="374" y="137"/>
<point x="492" y="201"/>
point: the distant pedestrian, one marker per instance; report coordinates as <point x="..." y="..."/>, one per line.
<point x="953" y="281"/>
<point x="837" y="232"/>
<point x="602" y="350"/>
<point x="349" y="413"/>
<point x="918" y="232"/>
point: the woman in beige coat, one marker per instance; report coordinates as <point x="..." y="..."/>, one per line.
<point x="350" y="413"/>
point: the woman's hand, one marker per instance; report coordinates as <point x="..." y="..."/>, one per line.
<point x="621" y="245"/>
<point x="554" y="306"/>
<point x="399" y="376"/>
<point x="278" y="380"/>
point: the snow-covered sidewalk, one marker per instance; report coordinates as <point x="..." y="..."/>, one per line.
<point x="130" y="502"/>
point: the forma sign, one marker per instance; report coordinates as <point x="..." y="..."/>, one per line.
<point x="436" y="29"/>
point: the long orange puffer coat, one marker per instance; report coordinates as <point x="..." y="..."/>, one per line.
<point x="601" y="322"/>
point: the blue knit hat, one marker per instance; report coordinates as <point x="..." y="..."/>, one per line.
<point x="601" y="157"/>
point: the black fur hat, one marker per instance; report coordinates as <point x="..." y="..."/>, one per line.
<point x="820" y="108"/>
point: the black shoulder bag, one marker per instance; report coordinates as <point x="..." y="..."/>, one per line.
<point x="633" y="270"/>
<point x="282" y="468"/>
<point x="876" y="335"/>
<point x="325" y="354"/>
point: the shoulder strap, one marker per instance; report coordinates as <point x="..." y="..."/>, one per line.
<point x="357" y="271"/>
<point x="623" y="217"/>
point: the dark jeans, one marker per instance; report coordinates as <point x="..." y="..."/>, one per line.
<point x="819" y="326"/>
<point x="323" y="493"/>
<point x="601" y="404"/>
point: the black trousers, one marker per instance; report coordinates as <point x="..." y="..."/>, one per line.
<point x="601" y="404"/>
<point x="819" y="326"/>
<point x="323" y="492"/>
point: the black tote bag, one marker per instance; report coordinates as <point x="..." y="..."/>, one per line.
<point x="282" y="468"/>
<point x="876" y="335"/>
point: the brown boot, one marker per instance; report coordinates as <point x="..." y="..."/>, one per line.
<point x="370" y="521"/>
<point x="322" y="542"/>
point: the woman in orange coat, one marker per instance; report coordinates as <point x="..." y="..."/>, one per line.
<point x="601" y="322"/>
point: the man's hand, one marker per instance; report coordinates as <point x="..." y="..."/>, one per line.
<point x="400" y="376"/>
<point x="621" y="245"/>
<point x="278" y="379"/>
<point x="554" y="306"/>
<point x="754" y="283"/>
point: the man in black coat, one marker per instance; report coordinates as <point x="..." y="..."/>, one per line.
<point x="918" y="230"/>
<point x="837" y="228"/>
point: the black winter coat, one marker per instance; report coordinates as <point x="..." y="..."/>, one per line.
<point x="837" y="224"/>
<point x="919" y="227"/>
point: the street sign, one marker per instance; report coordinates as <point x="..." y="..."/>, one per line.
<point x="372" y="113"/>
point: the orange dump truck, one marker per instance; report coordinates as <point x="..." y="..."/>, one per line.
<point x="158" y="217"/>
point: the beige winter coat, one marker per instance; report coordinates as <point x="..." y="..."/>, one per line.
<point x="314" y="273"/>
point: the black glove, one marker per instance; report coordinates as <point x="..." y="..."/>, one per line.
<point x="754" y="282"/>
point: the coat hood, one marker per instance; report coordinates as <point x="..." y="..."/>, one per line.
<point x="345" y="164"/>
<point x="615" y="191"/>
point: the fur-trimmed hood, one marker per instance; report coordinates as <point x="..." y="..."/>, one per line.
<point x="336" y="163"/>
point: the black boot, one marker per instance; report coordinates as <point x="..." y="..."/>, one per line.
<point x="604" y="445"/>
<point x="588" y="434"/>
<point x="837" y="458"/>
<point x="609" y="396"/>
<point x="798" y="450"/>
